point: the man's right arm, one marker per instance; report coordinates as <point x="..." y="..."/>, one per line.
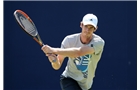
<point x="59" y="60"/>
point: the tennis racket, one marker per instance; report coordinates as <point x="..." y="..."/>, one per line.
<point x="28" y="25"/>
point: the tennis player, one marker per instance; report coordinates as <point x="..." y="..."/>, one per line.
<point x="83" y="50"/>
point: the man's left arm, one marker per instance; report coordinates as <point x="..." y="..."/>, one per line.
<point x="75" y="52"/>
<point x="69" y="52"/>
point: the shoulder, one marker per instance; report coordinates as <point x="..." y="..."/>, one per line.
<point x="99" y="39"/>
<point x="72" y="36"/>
<point x="70" y="40"/>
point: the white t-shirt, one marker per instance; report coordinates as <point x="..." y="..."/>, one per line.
<point x="82" y="69"/>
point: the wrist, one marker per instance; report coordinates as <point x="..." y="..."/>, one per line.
<point x="54" y="50"/>
<point x="53" y="61"/>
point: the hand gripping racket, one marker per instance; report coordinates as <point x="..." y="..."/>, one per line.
<point x="28" y="25"/>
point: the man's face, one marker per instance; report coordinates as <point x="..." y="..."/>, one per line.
<point x="87" y="30"/>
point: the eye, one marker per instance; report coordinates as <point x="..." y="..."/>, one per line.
<point x="91" y="27"/>
<point x="86" y="26"/>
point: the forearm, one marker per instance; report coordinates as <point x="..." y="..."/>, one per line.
<point x="69" y="52"/>
<point x="55" y="65"/>
<point x="74" y="52"/>
<point x="54" y="60"/>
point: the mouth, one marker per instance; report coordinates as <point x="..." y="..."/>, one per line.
<point x="87" y="33"/>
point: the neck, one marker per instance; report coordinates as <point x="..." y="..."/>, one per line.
<point x="85" y="40"/>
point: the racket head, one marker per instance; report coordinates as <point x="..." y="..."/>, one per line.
<point x="26" y="23"/>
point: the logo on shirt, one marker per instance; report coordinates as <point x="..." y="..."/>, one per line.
<point x="82" y="64"/>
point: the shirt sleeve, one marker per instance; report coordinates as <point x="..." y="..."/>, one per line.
<point x="65" y="43"/>
<point x="98" y="46"/>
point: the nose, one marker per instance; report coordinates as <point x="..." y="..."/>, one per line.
<point x="87" y="29"/>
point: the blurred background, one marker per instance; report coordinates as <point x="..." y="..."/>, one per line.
<point x="27" y="68"/>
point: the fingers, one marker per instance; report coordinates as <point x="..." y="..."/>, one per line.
<point x="52" y="57"/>
<point x="43" y="48"/>
<point x="49" y="53"/>
<point x="46" y="49"/>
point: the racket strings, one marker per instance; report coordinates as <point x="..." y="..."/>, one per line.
<point x="28" y="26"/>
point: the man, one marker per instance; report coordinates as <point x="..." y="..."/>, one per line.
<point x="84" y="51"/>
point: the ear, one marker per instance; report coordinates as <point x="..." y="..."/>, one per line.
<point x="81" y="24"/>
<point x="96" y="28"/>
